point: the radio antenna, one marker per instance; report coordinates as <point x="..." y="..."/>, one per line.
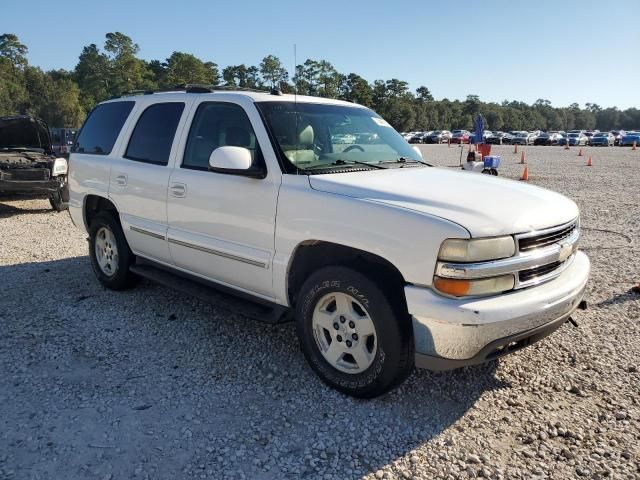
<point x="295" y="99"/>
<point x="295" y="67"/>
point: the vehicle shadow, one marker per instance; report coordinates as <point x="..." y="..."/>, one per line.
<point x="7" y="210"/>
<point x="161" y="361"/>
<point x="620" y="298"/>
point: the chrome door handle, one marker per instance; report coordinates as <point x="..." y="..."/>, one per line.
<point x="121" y="179"/>
<point x="178" y="190"/>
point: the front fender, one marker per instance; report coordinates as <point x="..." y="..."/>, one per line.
<point x="407" y="239"/>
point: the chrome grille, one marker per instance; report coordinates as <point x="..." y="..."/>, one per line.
<point x="536" y="272"/>
<point x="542" y="256"/>
<point x="545" y="238"/>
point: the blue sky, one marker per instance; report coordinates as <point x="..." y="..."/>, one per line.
<point x="564" y="51"/>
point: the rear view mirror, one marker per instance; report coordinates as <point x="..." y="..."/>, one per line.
<point x="235" y="161"/>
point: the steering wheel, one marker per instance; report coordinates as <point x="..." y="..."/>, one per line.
<point x="353" y="147"/>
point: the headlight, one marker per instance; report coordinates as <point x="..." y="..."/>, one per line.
<point x="483" y="286"/>
<point x="476" y="250"/>
<point x="59" y="167"/>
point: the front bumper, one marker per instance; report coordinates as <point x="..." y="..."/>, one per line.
<point x="30" y="186"/>
<point x="451" y="333"/>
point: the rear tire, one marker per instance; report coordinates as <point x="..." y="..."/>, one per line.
<point x="109" y="252"/>
<point x="371" y="350"/>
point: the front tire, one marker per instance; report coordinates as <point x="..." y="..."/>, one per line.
<point x="59" y="200"/>
<point x="109" y="252"/>
<point x="353" y="336"/>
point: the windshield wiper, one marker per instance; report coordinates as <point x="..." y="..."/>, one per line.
<point x="405" y="160"/>
<point x="341" y="162"/>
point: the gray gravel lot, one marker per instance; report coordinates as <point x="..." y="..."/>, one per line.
<point x="151" y="384"/>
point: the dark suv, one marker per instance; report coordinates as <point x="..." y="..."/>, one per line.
<point x="27" y="162"/>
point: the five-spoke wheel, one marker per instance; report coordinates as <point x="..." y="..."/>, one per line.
<point x="344" y="332"/>
<point x="106" y="251"/>
<point x="355" y="336"/>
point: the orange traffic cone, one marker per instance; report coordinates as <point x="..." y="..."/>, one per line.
<point x="525" y="174"/>
<point x="566" y="145"/>
<point x="634" y="146"/>
<point x="515" y="148"/>
<point x="589" y="162"/>
<point x="522" y="159"/>
<point x="580" y="152"/>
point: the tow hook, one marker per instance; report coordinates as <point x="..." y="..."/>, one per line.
<point x="572" y="321"/>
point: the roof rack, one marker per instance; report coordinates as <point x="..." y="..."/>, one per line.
<point x="200" y="88"/>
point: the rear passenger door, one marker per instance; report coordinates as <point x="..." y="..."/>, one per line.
<point x="140" y="175"/>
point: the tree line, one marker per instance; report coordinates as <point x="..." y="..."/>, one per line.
<point x="63" y="98"/>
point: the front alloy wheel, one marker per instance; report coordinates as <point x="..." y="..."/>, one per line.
<point x="344" y="333"/>
<point x="356" y="338"/>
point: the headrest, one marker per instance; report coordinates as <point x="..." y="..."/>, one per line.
<point x="238" y="137"/>
<point x="305" y="136"/>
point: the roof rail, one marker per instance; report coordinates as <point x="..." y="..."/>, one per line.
<point x="199" y="88"/>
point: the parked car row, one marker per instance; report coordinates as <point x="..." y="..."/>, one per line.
<point x="522" y="137"/>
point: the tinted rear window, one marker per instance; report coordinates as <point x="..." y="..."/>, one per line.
<point x="102" y="128"/>
<point x="152" y="138"/>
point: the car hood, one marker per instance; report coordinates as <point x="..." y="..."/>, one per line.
<point x="483" y="204"/>
<point x="24" y="132"/>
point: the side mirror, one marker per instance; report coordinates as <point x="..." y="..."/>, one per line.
<point x="235" y="161"/>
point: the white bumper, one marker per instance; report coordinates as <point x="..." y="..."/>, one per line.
<point x="449" y="333"/>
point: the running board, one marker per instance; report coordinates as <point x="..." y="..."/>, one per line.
<point x="219" y="295"/>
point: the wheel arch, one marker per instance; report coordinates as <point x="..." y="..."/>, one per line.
<point x="311" y="255"/>
<point x="93" y="204"/>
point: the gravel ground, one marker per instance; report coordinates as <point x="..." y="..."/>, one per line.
<point x="150" y="384"/>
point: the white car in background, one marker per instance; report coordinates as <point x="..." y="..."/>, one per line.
<point x="343" y="138"/>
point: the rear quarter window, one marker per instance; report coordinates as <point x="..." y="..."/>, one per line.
<point x="102" y="127"/>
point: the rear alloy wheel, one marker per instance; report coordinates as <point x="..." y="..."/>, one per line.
<point x="109" y="252"/>
<point x="106" y="250"/>
<point x="353" y="336"/>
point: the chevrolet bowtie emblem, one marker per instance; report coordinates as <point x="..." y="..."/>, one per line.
<point x="566" y="249"/>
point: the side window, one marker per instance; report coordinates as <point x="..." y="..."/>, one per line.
<point x="218" y="124"/>
<point x="152" y="137"/>
<point x="102" y="127"/>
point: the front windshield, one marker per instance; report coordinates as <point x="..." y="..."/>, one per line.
<point x="313" y="136"/>
<point x="573" y="135"/>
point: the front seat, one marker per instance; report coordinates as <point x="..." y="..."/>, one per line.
<point x="303" y="152"/>
<point x="238" y="137"/>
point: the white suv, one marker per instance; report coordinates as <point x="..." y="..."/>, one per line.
<point x="383" y="261"/>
